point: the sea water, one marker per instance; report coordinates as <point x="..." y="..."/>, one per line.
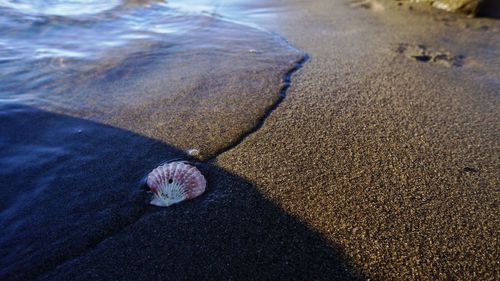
<point x="94" y="94"/>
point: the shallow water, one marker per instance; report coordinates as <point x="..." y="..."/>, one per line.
<point x="43" y="39"/>
<point x="159" y="69"/>
<point x="94" y="94"/>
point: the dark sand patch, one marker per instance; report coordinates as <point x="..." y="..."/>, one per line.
<point x="423" y="54"/>
<point x="78" y="211"/>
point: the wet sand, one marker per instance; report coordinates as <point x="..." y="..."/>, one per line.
<point x="200" y="90"/>
<point x="88" y="217"/>
<point x="381" y="163"/>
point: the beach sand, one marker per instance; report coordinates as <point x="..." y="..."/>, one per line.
<point x="198" y="90"/>
<point x="380" y="163"/>
<point x="89" y="217"/>
<point x="381" y="146"/>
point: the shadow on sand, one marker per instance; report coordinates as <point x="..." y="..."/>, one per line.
<point x="73" y="207"/>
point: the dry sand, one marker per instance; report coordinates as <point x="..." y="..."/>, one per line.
<point x="387" y="143"/>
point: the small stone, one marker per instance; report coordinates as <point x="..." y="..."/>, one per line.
<point x="470" y="170"/>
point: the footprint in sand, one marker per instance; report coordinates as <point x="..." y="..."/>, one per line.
<point x="421" y="53"/>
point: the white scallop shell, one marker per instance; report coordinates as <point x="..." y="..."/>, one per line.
<point x="175" y="182"/>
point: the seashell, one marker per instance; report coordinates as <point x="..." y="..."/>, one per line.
<point x="193" y="152"/>
<point x="175" y="182"/>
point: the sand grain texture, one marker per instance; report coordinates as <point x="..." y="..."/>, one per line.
<point x="394" y="159"/>
<point x="380" y="163"/>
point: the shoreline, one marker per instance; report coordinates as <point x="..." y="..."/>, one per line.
<point x="286" y="83"/>
<point x="380" y="163"/>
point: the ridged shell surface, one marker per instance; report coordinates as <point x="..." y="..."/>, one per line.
<point x="175" y="182"/>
